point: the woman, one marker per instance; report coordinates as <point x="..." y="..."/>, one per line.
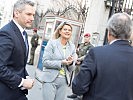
<point x="58" y="63"/>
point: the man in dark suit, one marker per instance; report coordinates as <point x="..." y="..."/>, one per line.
<point x="14" y="80"/>
<point x="107" y="71"/>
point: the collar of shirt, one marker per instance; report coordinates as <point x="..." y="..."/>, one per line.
<point x="68" y="42"/>
<point x="20" y="28"/>
<point x="114" y="41"/>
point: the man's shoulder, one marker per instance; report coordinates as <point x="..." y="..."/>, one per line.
<point x="101" y="48"/>
<point x="7" y="28"/>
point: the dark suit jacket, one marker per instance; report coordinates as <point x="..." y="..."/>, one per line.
<point x="12" y="62"/>
<point x="106" y="73"/>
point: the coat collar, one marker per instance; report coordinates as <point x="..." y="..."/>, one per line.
<point x="121" y="42"/>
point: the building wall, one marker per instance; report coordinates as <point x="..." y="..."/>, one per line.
<point x="97" y="19"/>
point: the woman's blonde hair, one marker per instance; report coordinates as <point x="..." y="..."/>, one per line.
<point x="56" y="33"/>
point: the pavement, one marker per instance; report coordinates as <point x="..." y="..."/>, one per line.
<point x="36" y="92"/>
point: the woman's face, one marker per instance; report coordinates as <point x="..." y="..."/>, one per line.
<point x="66" y="32"/>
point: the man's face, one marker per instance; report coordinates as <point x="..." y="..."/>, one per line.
<point x="86" y="39"/>
<point x="34" y="32"/>
<point x="25" y="17"/>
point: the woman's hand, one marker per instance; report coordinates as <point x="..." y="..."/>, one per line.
<point x="68" y="61"/>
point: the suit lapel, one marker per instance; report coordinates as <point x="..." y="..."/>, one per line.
<point x="59" y="46"/>
<point x="19" y="35"/>
<point x="68" y="50"/>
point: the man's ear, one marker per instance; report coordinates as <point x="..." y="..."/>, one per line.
<point x="109" y="33"/>
<point x="131" y="38"/>
<point x="109" y="36"/>
<point x="16" y="13"/>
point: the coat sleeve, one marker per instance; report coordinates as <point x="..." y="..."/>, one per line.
<point x="48" y="61"/>
<point x="81" y="82"/>
<point x="6" y="75"/>
<point x="74" y="54"/>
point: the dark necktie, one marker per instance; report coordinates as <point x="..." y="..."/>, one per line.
<point x="26" y="41"/>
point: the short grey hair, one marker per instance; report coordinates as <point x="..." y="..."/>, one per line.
<point x="20" y="5"/>
<point x="120" y="26"/>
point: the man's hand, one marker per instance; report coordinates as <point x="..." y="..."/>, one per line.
<point x="78" y="62"/>
<point x="28" y="83"/>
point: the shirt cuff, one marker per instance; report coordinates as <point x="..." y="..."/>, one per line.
<point x="20" y="85"/>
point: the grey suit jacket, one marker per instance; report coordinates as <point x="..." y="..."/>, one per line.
<point x="53" y="55"/>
